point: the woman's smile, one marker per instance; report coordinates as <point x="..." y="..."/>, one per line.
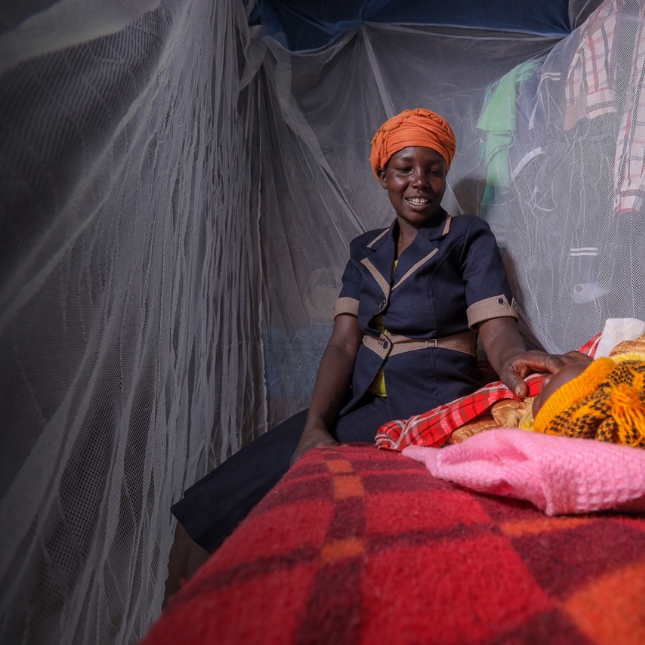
<point x="417" y="201"/>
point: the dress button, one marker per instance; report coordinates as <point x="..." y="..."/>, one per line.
<point x="386" y="345"/>
<point x="500" y="301"/>
<point x="382" y="305"/>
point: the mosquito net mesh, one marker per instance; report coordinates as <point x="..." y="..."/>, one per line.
<point x="178" y="193"/>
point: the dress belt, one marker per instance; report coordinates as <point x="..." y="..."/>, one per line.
<point x="392" y="344"/>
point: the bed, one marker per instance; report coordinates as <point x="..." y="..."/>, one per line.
<point x="364" y="546"/>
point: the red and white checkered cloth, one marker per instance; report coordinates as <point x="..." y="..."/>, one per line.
<point x="434" y="427"/>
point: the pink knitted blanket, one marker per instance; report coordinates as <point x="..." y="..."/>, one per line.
<point x="558" y="474"/>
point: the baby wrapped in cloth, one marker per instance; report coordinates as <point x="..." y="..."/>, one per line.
<point x="585" y="453"/>
<point x="603" y="399"/>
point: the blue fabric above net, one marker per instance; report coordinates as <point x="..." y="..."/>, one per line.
<point x="310" y="24"/>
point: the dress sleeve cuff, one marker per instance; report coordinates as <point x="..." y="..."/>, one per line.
<point x="346" y="306"/>
<point x="495" y="307"/>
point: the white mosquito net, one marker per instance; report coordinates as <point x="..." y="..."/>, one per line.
<point x="178" y="193"/>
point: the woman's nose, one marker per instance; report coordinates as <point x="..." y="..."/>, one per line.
<point x="419" y="178"/>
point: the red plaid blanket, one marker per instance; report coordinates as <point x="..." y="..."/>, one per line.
<point x="434" y="427"/>
<point x="359" y="546"/>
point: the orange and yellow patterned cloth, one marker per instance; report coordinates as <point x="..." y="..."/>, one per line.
<point x="605" y="402"/>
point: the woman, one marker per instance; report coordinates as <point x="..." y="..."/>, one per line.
<point x="414" y="297"/>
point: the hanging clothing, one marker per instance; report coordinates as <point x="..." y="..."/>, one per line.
<point x="591" y="91"/>
<point x="498" y="121"/>
<point x="629" y="165"/>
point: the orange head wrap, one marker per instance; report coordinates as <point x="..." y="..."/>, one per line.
<point x="416" y="127"/>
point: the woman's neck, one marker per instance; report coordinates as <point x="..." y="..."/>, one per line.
<point x="405" y="237"/>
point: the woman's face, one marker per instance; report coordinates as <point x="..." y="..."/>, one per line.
<point x="415" y="179"/>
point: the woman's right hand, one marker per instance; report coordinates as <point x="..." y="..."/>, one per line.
<point x="315" y="435"/>
<point x="332" y="384"/>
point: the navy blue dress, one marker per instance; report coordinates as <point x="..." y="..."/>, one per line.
<point x="450" y="279"/>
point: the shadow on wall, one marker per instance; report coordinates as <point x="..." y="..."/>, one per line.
<point x="469" y="193"/>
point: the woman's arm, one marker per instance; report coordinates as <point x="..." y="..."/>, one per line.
<point x="507" y="354"/>
<point x="332" y="383"/>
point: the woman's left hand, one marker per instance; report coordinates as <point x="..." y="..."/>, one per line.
<point x="514" y="371"/>
<point x="507" y="354"/>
